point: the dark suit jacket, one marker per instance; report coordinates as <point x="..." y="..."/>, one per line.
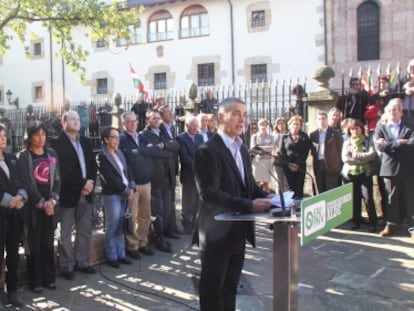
<point x="186" y="152"/>
<point x="9" y="187"/>
<point x="71" y="174"/>
<point x="173" y="162"/>
<point x="395" y="157"/>
<point x="163" y="170"/>
<point x="221" y="189"/>
<point x="333" y="150"/>
<point x="111" y="175"/>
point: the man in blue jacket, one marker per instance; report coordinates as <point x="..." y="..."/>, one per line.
<point x="137" y="156"/>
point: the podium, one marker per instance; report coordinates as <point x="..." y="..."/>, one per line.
<point x="285" y="255"/>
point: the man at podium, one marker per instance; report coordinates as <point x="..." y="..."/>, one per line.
<point x="225" y="183"/>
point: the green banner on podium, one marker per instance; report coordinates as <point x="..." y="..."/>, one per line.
<point x="321" y="213"/>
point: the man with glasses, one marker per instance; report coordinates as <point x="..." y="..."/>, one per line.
<point x="78" y="172"/>
<point x="354" y="102"/>
<point x="162" y="178"/>
<point x="138" y="159"/>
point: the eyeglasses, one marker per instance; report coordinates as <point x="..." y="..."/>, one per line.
<point x="132" y="121"/>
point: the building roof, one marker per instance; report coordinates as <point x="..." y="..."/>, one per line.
<point x="149" y="3"/>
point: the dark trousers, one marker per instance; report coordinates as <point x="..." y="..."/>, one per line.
<point x="41" y="260"/>
<point x="190" y="204"/>
<point x="11" y="228"/>
<point x="400" y="198"/>
<point x="161" y="207"/>
<point x="220" y="274"/>
<point x="295" y="180"/>
<point x="324" y="179"/>
<point x="172" y="219"/>
<point x="362" y="188"/>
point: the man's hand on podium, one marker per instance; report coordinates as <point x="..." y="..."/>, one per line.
<point x="260" y="205"/>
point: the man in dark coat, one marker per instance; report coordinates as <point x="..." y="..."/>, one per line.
<point x="225" y="183"/>
<point x="78" y="172"/>
<point x="326" y="152"/>
<point x="394" y="138"/>
<point x="189" y="141"/>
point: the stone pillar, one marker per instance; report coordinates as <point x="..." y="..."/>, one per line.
<point x="117" y="113"/>
<point x="191" y="106"/>
<point x="322" y="98"/>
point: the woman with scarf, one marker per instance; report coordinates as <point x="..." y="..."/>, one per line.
<point x="359" y="159"/>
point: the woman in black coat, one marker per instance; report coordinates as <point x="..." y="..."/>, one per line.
<point x="12" y="198"/>
<point x="294" y="150"/>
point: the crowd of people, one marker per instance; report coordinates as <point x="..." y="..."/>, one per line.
<point x="365" y="136"/>
<point x="53" y="180"/>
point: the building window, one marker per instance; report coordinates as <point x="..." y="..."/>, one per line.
<point x="135" y="36"/>
<point x="205" y="74"/>
<point x="101" y="43"/>
<point x="258" y="18"/>
<point x="160" y="81"/>
<point x="368" y="16"/>
<point x="38" y="93"/>
<point x="194" y="22"/>
<point x="37" y="49"/>
<point x="258" y="73"/>
<point x="160" y="26"/>
<point x="102" y="86"/>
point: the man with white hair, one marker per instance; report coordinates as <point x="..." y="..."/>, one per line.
<point x="203" y="126"/>
<point x="394" y="138"/>
<point x="189" y="141"/>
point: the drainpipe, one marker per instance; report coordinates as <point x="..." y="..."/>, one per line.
<point x="325" y="32"/>
<point x="51" y="70"/>
<point x="63" y="82"/>
<point x="232" y="42"/>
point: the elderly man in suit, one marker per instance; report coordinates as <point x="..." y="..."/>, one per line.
<point x="78" y="172"/>
<point x="394" y="138"/>
<point x="162" y="178"/>
<point x="326" y="152"/>
<point x="225" y="183"/>
<point x="189" y="141"/>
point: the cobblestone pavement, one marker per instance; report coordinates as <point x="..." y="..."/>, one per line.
<point x="342" y="270"/>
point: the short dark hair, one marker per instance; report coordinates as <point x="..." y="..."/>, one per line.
<point x="353" y="80"/>
<point x="226" y="104"/>
<point x="106" y="132"/>
<point x="33" y="128"/>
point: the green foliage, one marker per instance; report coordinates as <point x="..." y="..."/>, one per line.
<point x="60" y="17"/>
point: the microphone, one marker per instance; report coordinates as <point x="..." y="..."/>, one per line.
<point x="260" y="151"/>
<point x="256" y="150"/>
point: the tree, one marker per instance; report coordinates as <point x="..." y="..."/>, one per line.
<point x="59" y="17"/>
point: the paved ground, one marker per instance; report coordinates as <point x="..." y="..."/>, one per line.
<point x="343" y="270"/>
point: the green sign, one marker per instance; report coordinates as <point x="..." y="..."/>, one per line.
<point x="321" y="213"/>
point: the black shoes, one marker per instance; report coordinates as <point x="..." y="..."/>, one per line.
<point x="134" y="254"/>
<point x="114" y="263"/>
<point x="68" y="275"/>
<point x="86" y="270"/>
<point x="146" y="250"/>
<point x="36" y="289"/>
<point x="163" y="246"/>
<point x="15" y="300"/>
<point x="171" y="235"/>
<point x="51" y="286"/>
<point x="125" y="261"/>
